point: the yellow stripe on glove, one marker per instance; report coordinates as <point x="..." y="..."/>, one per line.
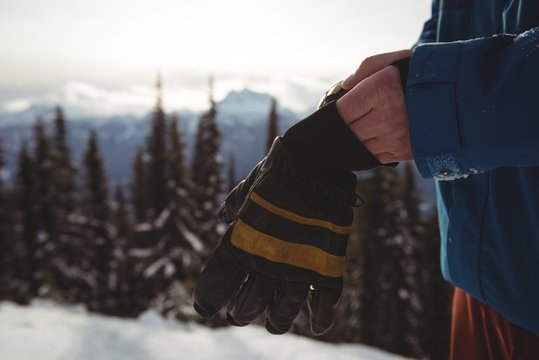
<point x="271" y="248"/>
<point x="257" y="199"/>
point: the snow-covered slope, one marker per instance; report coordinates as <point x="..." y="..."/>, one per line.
<point x="47" y="332"/>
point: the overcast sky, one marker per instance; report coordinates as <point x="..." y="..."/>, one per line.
<point x="112" y="49"/>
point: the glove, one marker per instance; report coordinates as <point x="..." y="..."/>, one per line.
<point x="289" y="222"/>
<point x="288" y="230"/>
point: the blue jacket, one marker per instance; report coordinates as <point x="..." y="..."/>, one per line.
<point x="473" y="107"/>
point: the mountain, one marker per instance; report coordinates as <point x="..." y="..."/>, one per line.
<point x="242" y="120"/>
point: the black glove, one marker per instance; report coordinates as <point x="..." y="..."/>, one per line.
<point x="288" y="232"/>
<point x="289" y="222"/>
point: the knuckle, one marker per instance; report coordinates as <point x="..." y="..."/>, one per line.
<point x="368" y="62"/>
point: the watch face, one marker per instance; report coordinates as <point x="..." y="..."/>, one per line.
<point x="335" y="92"/>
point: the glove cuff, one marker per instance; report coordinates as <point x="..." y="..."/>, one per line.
<point x="323" y="143"/>
<point x="336" y="185"/>
<point x="403" y="65"/>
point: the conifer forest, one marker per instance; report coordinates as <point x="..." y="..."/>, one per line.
<point x="69" y="236"/>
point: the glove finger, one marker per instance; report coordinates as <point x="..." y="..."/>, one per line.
<point x="288" y="301"/>
<point x="231" y="206"/>
<point x="253" y="298"/>
<point x="322" y="302"/>
<point x="219" y="281"/>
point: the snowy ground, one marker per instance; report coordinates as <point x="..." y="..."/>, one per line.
<point x="48" y="332"/>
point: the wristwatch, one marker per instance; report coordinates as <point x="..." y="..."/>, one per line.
<point x="334" y="92"/>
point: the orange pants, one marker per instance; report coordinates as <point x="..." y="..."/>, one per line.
<point x="479" y="332"/>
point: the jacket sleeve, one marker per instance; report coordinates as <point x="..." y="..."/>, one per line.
<point x="473" y="105"/>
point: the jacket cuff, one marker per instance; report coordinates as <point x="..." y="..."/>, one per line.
<point x="432" y="112"/>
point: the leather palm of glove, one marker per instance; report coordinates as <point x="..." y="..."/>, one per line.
<point x="289" y="222"/>
<point x="287" y="233"/>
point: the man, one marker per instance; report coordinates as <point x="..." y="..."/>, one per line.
<point x="470" y="109"/>
<point x="468" y="118"/>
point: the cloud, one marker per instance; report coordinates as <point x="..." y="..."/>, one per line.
<point x="17" y="105"/>
<point x="80" y="99"/>
<point x="88" y="99"/>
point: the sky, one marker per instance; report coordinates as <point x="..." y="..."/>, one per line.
<point x="104" y="54"/>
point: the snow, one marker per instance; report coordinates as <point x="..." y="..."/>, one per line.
<point x="153" y="268"/>
<point x="46" y="331"/>
<point x="193" y="240"/>
<point x="245" y="101"/>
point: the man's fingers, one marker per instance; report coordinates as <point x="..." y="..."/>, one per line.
<point x="253" y="298"/>
<point x="322" y="302"/>
<point x="380" y="90"/>
<point x="219" y="281"/>
<point x="372" y="65"/>
<point x="368" y="127"/>
<point x="355" y="104"/>
<point x="287" y="304"/>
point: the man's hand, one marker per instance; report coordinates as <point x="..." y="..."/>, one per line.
<point x="374" y="108"/>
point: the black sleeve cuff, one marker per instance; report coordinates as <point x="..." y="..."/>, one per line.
<point x="324" y="143"/>
<point x="403" y="65"/>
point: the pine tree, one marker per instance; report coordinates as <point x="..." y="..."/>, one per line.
<point x="348" y="314"/>
<point x="179" y="201"/>
<point x="150" y="199"/>
<point x="29" y="259"/>
<point x="179" y="259"/>
<point x="206" y="175"/>
<point x="97" y="211"/>
<point x="176" y="166"/>
<point x="12" y="276"/>
<point x="69" y="276"/>
<point x="431" y="296"/>
<point x="139" y="188"/>
<point x="165" y="249"/>
<point x="157" y="151"/>
<point x="273" y="125"/>
<point x="412" y="229"/>
<point x="122" y="279"/>
<point x="411" y="201"/>
<point x="4" y="223"/>
<point x="46" y="215"/>
<point x="387" y="297"/>
<point x="232" y="182"/>
<point x="64" y="168"/>
<point x="168" y="247"/>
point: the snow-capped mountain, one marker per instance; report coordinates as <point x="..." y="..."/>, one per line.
<point x="242" y="119"/>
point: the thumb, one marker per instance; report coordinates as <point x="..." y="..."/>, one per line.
<point x="230" y="208"/>
<point x="322" y="303"/>
<point x="221" y="278"/>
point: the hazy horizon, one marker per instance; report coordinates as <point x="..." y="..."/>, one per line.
<point x="86" y="53"/>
